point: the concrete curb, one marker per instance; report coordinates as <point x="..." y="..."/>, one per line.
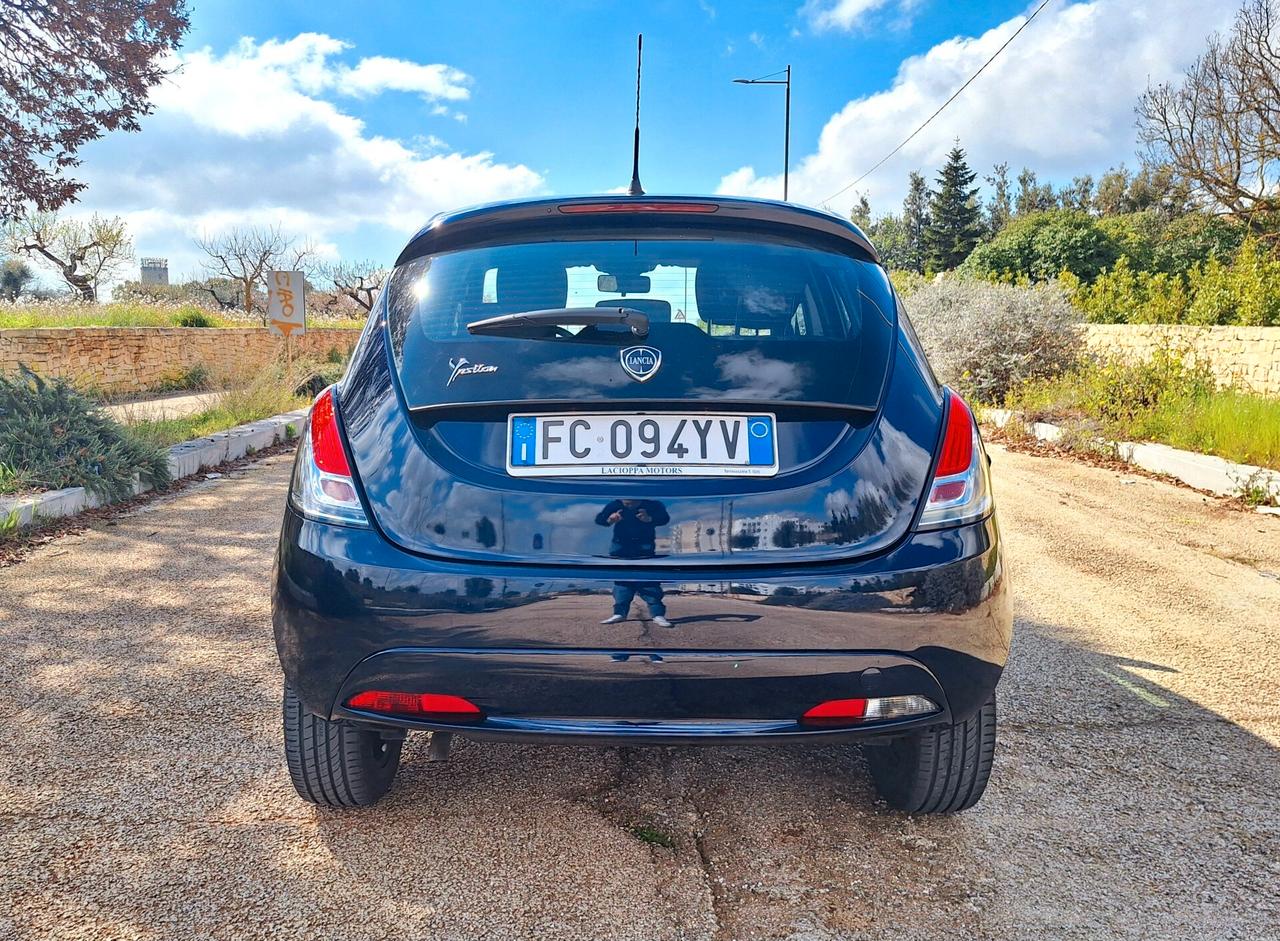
<point x="185" y="459"/>
<point x="1202" y="471"/>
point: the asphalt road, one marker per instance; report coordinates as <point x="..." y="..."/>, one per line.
<point x="143" y="791"/>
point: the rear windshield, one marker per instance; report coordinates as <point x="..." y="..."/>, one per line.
<point x="725" y="288"/>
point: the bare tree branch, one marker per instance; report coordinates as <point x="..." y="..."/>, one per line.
<point x="1219" y="129"/>
<point x="359" y="280"/>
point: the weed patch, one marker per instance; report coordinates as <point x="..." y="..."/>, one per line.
<point x="1169" y="398"/>
<point x="653" y="836"/>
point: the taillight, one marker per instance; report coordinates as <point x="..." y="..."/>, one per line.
<point x="439" y="706"/>
<point x="960" y="491"/>
<point x="878" y="708"/>
<point x="323" y="488"/>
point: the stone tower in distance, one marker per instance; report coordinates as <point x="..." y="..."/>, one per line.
<point x="155" y="270"/>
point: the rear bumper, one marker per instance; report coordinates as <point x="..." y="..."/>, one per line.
<point x="748" y="651"/>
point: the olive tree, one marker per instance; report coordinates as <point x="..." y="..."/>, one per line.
<point x="359" y="280"/>
<point x="84" y="253"/>
<point x="15" y="275"/>
<point x="245" y="254"/>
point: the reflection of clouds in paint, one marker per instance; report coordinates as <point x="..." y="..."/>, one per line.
<point x="889" y="477"/>
<point x="576" y="377"/>
<point x="836" y="501"/>
<point x="575" y="514"/>
<point x="751" y="373"/>
<point x="898" y="472"/>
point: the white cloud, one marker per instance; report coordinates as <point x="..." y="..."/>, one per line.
<point x="848" y="15"/>
<point x="1060" y="100"/>
<point x="248" y="137"/>
<point x="379" y="73"/>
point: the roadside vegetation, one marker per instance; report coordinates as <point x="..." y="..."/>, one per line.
<point x="1169" y="399"/>
<point x="273" y="392"/>
<point x="52" y="436"/>
<point x="1022" y="348"/>
<point x="999" y="280"/>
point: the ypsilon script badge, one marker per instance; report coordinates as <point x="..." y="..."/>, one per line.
<point x="641" y="362"/>
<point x="463" y="367"/>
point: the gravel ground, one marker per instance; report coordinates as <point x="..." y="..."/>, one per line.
<point x="143" y="791"/>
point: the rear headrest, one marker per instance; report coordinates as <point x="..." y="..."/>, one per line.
<point x="530" y="287"/>
<point x="756" y="297"/>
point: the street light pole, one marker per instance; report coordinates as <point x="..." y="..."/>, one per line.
<point x="786" y="140"/>
<point x="786" y="132"/>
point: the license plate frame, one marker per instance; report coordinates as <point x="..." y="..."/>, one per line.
<point x="753" y="438"/>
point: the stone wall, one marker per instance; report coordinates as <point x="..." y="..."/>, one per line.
<point x="1246" y="357"/>
<point x="136" y="359"/>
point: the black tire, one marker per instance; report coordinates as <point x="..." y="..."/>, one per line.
<point x="333" y="763"/>
<point x="940" y="770"/>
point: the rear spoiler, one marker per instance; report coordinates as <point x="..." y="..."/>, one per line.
<point x="453" y="231"/>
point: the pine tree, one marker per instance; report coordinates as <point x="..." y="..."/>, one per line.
<point x="1000" y="205"/>
<point x="860" y="214"/>
<point x="955" y="218"/>
<point x="915" y="219"/>
<point x="1033" y="196"/>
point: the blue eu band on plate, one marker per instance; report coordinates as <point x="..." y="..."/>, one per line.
<point x="642" y="444"/>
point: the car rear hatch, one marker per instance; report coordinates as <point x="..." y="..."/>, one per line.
<point x="751" y="411"/>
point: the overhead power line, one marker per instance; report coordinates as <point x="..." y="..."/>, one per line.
<point x="881" y="162"/>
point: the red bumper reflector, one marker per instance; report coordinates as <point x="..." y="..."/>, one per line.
<point x="836" y="712"/>
<point x="421" y="705"/>
<point x="571" y="208"/>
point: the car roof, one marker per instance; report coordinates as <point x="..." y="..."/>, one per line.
<point x="453" y="229"/>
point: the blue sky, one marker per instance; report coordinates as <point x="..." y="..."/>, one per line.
<point x="350" y="124"/>
<point x="554" y="90"/>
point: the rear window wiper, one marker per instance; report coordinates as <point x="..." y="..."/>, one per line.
<point x="637" y="320"/>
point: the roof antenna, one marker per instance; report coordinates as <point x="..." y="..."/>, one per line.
<point x="636" y="189"/>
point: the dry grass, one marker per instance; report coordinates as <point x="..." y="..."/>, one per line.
<point x="68" y="313"/>
<point x="269" y="393"/>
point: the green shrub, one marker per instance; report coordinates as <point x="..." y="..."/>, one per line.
<point x="1042" y="245"/>
<point x="52" y="437"/>
<point x="1123" y="295"/>
<point x="194" y="318"/>
<point x="1194" y="238"/>
<point x="984" y="339"/>
<point x="194" y="379"/>
<point x="1245" y="292"/>
<point x="906" y="282"/>
<point x="1118" y="393"/>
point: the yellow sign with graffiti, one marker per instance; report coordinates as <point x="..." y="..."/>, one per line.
<point x="286" y="303"/>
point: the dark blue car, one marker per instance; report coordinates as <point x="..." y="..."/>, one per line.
<point x="641" y="470"/>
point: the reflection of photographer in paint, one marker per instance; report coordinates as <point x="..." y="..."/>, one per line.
<point x="634" y="522"/>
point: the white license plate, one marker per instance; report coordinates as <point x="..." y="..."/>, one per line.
<point x="642" y="445"/>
